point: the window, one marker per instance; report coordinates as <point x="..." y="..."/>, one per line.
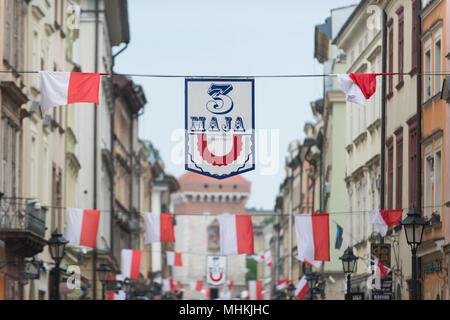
<point x="14" y="33"/>
<point x="390" y="172"/>
<point x="399" y="169"/>
<point x="358" y="213"/>
<point x="414" y="36"/>
<point x="9" y="157"/>
<point x="390" y="28"/>
<point x="437" y="64"/>
<point x="412" y="161"/>
<point x="363" y="212"/>
<point x="350" y="209"/>
<point x="400" y="46"/>
<point x="428" y="180"/>
<point x="427" y="76"/>
<point x="438" y="180"/>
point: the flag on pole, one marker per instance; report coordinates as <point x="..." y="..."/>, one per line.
<point x="168" y="285"/>
<point x="116" y="295"/>
<point x="131" y="263"/>
<point x="82" y="227"/>
<point x="236" y="234"/>
<point x="341" y="242"/>
<point x="255" y="288"/>
<point x="281" y="284"/>
<point x="383" y="219"/>
<point x="313" y="237"/>
<point x="196" y="285"/>
<point x="61" y="88"/>
<point x="381" y="269"/>
<point x="358" y="87"/>
<point x="159" y="228"/>
<point x="174" y="258"/>
<point x="206" y="293"/>
<point x="302" y="288"/>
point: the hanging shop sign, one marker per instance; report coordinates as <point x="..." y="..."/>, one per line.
<point x="220" y="125"/>
<point x="216" y="270"/>
<point x="382" y="251"/>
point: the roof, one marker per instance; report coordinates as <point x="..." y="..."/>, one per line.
<point x="190" y="176"/>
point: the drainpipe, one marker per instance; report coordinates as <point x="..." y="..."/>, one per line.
<point x="419" y="104"/>
<point x="290" y="224"/>
<point x="383" y="113"/>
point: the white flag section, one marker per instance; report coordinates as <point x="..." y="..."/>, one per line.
<point x="255" y="288"/>
<point x="131" y="263"/>
<point x="236" y="234"/>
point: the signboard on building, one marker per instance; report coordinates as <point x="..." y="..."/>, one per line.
<point x="356" y="296"/>
<point x="382" y="251"/>
<point x="216" y="270"/>
<point x="219" y="126"/>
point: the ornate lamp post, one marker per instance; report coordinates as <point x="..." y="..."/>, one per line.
<point x="57" y="245"/>
<point x="414" y="225"/>
<point x="103" y="273"/>
<point x="311" y="279"/>
<point x="349" y="265"/>
<point x="291" y="291"/>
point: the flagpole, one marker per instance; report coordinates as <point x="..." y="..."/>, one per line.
<point x="290" y="225"/>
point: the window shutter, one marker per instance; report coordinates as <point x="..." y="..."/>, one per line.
<point x="414" y="35"/>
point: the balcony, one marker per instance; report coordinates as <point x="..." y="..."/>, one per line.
<point x="22" y="226"/>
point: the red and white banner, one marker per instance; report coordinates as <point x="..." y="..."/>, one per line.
<point x="313" y="237"/>
<point x="381" y="271"/>
<point x="61" y="88"/>
<point x="169" y="285"/>
<point x="265" y="292"/>
<point x="245" y="294"/>
<point x="131" y="263"/>
<point x="302" y="288"/>
<point x="268" y="259"/>
<point x="82" y="227"/>
<point x="113" y="295"/>
<point x="229" y="284"/>
<point x="255" y="288"/>
<point x="257" y="258"/>
<point x="358" y="87"/>
<point x="236" y="234"/>
<point x="159" y="228"/>
<point x="196" y="285"/>
<point x="383" y="219"/>
<point x="206" y="292"/>
<point x="174" y="258"/>
<point x="281" y="284"/>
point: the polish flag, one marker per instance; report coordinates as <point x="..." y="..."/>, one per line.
<point x="281" y="284"/>
<point x="174" y="258"/>
<point x="258" y="258"/>
<point x="381" y="270"/>
<point x="255" y="288"/>
<point x="236" y="234"/>
<point x="168" y="285"/>
<point x="245" y="294"/>
<point x="131" y="263"/>
<point x="229" y="284"/>
<point x="206" y="292"/>
<point x="268" y="260"/>
<point x="384" y="219"/>
<point x="302" y="288"/>
<point x="82" y="226"/>
<point x="159" y="228"/>
<point x="196" y="285"/>
<point x="61" y="88"/>
<point x="358" y="87"/>
<point x="116" y="295"/>
<point x="265" y="292"/>
<point x="313" y="237"/>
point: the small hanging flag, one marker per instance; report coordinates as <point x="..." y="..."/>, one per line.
<point x="383" y="219"/>
<point x="116" y="295"/>
<point x="131" y="263"/>
<point x="82" y="226"/>
<point x="196" y="285"/>
<point x="358" y="87"/>
<point x="268" y="259"/>
<point x="313" y="237"/>
<point x="265" y="292"/>
<point x="302" y="288"/>
<point x="61" y="88"/>
<point x="281" y="284"/>
<point x="341" y="242"/>
<point x="245" y="294"/>
<point x="257" y="258"/>
<point x="159" y="228"/>
<point x="236" y="234"/>
<point x="169" y="285"/>
<point x="174" y="258"/>
<point x="229" y="284"/>
<point x="255" y="288"/>
<point x="381" y="269"/>
<point x="206" y="293"/>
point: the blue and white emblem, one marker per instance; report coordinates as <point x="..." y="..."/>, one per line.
<point x="219" y="126"/>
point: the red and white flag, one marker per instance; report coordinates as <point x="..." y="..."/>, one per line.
<point x="196" y="285"/>
<point x="245" y="294"/>
<point x="159" y="228"/>
<point x="116" y="295"/>
<point x="131" y="263"/>
<point x="206" y="292"/>
<point x="257" y="258"/>
<point x="236" y="234"/>
<point x="265" y="292"/>
<point x="82" y="226"/>
<point x="358" y="87"/>
<point x="383" y="219"/>
<point x="381" y="270"/>
<point x="174" y="258"/>
<point x="255" y="288"/>
<point x="281" y="284"/>
<point x="268" y="260"/>
<point x="61" y="88"/>
<point x="169" y="285"/>
<point x="229" y="284"/>
<point x="302" y="288"/>
<point x="313" y="237"/>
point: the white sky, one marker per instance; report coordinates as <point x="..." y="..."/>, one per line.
<point x="233" y="37"/>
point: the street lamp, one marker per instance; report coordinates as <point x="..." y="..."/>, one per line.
<point x="414" y="225"/>
<point x="291" y="291"/>
<point x="311" y="279"/>
<point x="103" y="273"/>
<point x="349" y="265"/>
<point x="57" y="245"/>
<point x="127" y="287"/>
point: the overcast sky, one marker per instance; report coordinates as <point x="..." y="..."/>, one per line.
<point x="233" y="37"/>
